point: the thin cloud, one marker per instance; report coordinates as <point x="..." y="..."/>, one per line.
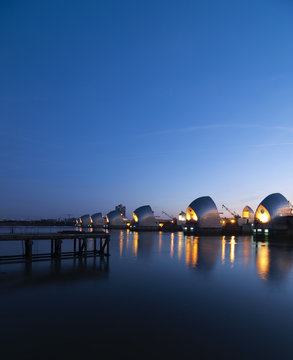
<point x="273" y="144"/>
<point x="188" y="129"/>
<point x="217" y="126"/>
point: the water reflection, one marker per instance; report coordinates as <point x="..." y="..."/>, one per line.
<point x="127" y="238"/>
<point x="146" y="242"/>
<point x="180" y="244"/>
<point x="191" y="251"/>
<point x="232" y="250"/>
<point x="205" y="253"/>
<point x="172" y="245"/>
<point x="262" y="260"/>
<point x="223" y="249"/>
<point x="160" y="241"/>
<point x="246" y="248"/>
<point x="135" y="243"/>
<point x="121" y="242"/>
<point x="272" y="262"/>
<point x="57" y="271"/>
<point x="138" y="243"/>
<point x="156" y="291"/>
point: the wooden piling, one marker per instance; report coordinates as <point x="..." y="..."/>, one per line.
<point x="108" y="250"/>
<point x="28" y="249"/>
<point x="79" y="247"/>
<point x="101" y="246"/>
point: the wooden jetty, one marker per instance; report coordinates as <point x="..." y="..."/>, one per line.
<point x="80" y="248"/>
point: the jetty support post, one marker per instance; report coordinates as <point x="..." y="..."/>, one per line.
<point x="74" y="247"/>
<point x="28" y="250"/>
<point x="84" y="246"/>
<point x="104" y="247"/>
<point x="101" y="251"/>
<point x="58" y="248"/>
<point x="95" y="246"/>
<point x="108" y="247"/>
<point x="79" y="247"/>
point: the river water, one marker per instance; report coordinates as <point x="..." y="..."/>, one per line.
<point x="161" y="295"/>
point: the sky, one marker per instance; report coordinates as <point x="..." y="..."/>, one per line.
<point x="143" y="102"/>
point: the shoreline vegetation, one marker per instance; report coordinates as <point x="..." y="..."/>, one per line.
<point x="42" y="222"/>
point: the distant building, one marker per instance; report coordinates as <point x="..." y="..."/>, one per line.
<point x="85" y="220"/>
<point x="181" y="218"/>
<point x="273" y="212"/>
<point x="144" y="216"/>
<point x="115" y="218"/>
<point x="98" y="219"/>
<point x="248" y="215"/>
<point x="202" y="213"/>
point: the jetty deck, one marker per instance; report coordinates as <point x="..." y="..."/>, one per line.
<point x="101" y="242"/>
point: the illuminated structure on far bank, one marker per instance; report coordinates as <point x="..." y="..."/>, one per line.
<point x="181" y="218"/>
<point x="203" y="214"/>
<point x="248" y="214"/>
<point x="115" y="218"/>
<point x="98" y="220"/>
<point x="144" y="216"/>
<point x="272" y="210"/>
<point x="85" y="220"/>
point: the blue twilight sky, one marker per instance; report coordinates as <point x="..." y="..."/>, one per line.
<point x="144" y="102"/>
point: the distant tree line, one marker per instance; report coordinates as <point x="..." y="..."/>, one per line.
<point x="42" y="222"/>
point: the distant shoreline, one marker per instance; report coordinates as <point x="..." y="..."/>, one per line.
<point x="36" y="223"/>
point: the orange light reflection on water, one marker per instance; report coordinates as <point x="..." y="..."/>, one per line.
<point x="246" y="250"/>
<point x="172" y="245"/>
<point x="191" y="251"/>
<point x="121" y="238"/>
<point x="232" y="251"/>
<point x="160" y="241"/>
<point x="187" y="250"/>
<point x="180" y="244"/>
<point x="194" y="252"/>
<point x="135" y="243"/>
<point x="223" y="249"/>
<point x="127" y="238"/>
<point x="263" y="260"/>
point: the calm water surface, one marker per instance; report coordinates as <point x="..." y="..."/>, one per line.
<point x="160" y="295"/>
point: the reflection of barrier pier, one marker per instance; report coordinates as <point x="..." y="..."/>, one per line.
<point x="80" y="248"/>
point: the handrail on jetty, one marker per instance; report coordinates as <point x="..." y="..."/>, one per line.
<point x="80" y="248"/>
